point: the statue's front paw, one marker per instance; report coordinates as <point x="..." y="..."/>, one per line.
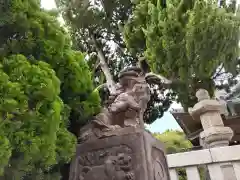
<point x="130" y="176"/>
<point x="130" y="125"/>
<point x="112" y="128"/>
<point x="116" y="127"/>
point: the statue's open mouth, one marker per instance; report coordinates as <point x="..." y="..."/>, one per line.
<point x="125" y="167"/>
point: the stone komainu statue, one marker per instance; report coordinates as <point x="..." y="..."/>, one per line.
<point x="115" y="146"/>
<point x="123" y="109"/>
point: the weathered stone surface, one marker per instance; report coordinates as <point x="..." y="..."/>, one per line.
<point x="132" y="154"/>
<point x="216" y="136"/>
<point x="123" y="109"/>
<point x="114" y="145"/>
<point x="209" y="112"/>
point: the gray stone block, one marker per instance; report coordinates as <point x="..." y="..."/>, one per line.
<point x="132" y="154"/>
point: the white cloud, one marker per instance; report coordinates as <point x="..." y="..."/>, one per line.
<point x="48" y="4"/>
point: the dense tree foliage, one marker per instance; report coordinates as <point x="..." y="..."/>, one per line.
<point x="96" y="27"/>
<point x="174" y="141"/>
<point x="45" y="88"/>
<point x="191" y="42"/>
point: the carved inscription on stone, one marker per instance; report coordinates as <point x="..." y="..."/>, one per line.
<point x="159" y="165"/>
<point x="106" y="164"/>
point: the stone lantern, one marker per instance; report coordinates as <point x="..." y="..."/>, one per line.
<point x="208" y="111"/>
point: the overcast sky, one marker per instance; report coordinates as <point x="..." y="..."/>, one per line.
<point x="48" y="4"/>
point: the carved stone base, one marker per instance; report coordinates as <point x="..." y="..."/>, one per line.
<point x="133" y="154"/>
<point x="216" y="136"/>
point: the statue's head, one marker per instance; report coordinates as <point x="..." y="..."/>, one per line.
<point x="124" y="159"/>
<point x="127" y="76"/>
<point x="141" y="90"/>
<point x="120" y="160"/>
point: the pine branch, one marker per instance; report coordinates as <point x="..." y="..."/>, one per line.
<point x="219" y="72"/>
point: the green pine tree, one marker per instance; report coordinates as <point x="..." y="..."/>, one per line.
<point x="96" y="27"/>
<point x="190" y="42"/>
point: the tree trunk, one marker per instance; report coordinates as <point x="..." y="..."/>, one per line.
<point x="104" y="66"/>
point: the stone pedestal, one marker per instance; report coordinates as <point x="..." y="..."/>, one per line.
<point x="132" y="154"/>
